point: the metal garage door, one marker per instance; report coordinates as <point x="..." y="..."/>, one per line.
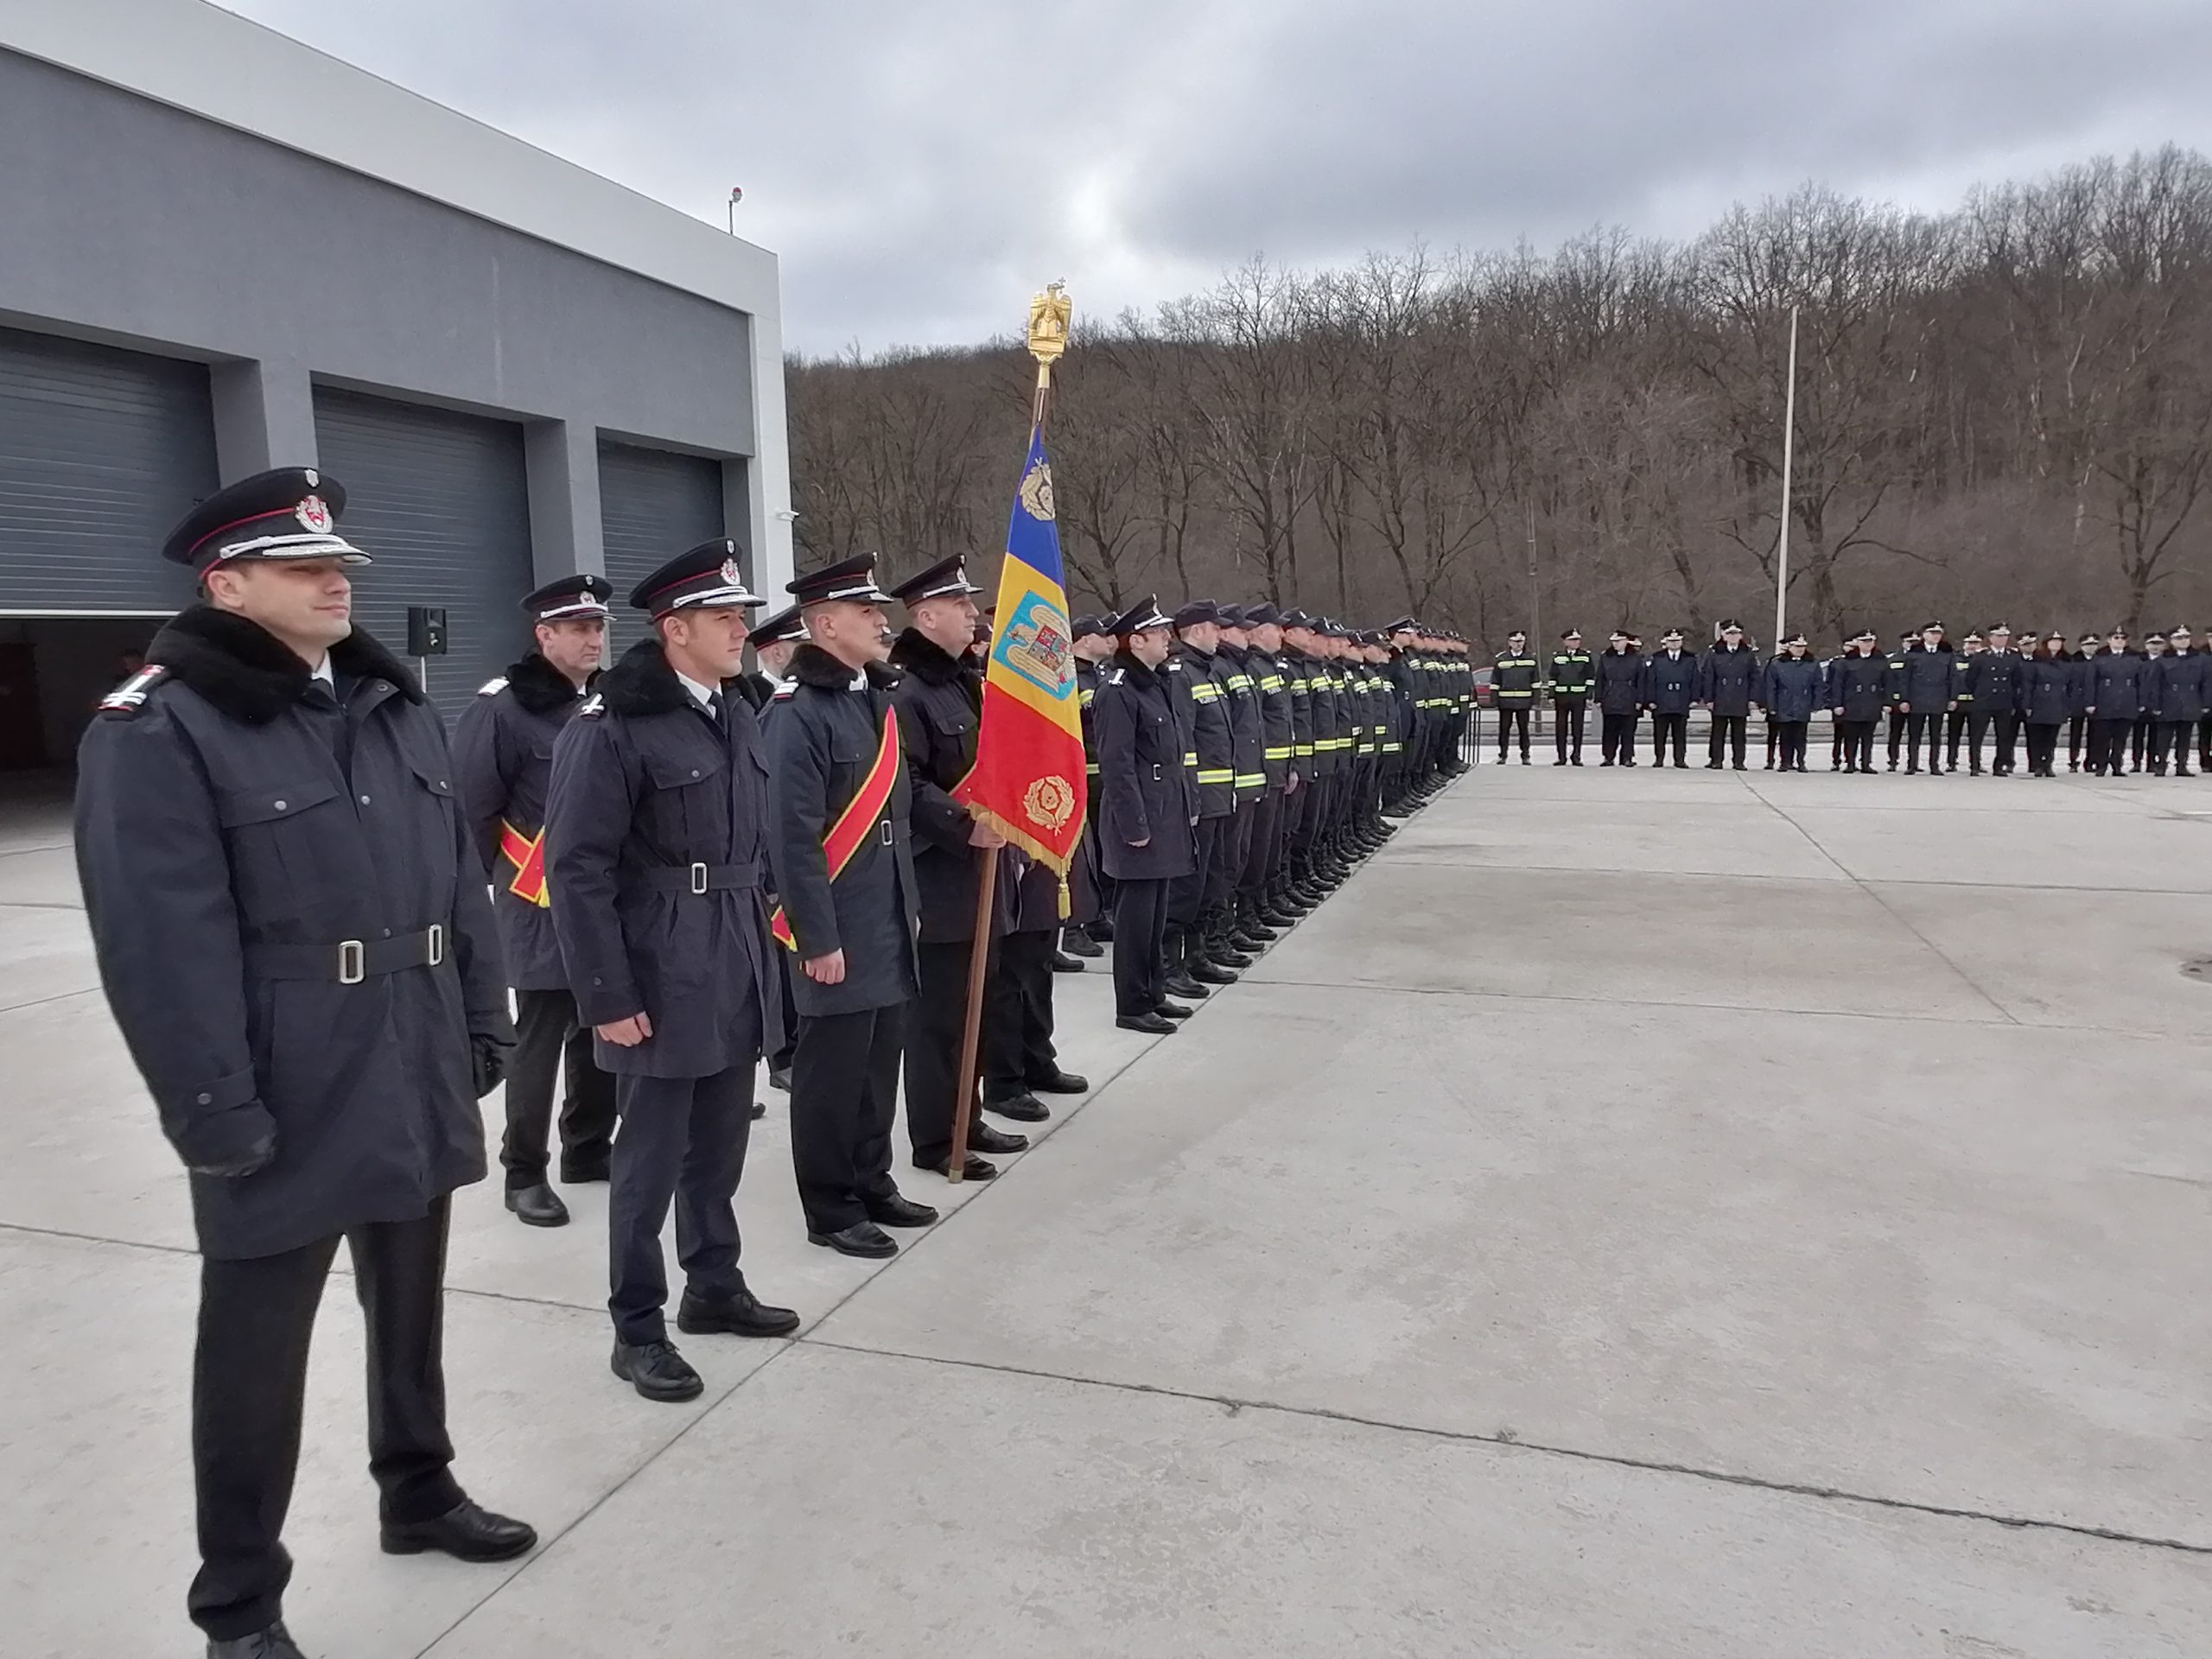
<point x="101" y="452"/>
<point x="442" y="501"/>
<point x="652" y="505"/>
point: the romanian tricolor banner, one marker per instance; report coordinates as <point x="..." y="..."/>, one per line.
<point x="1028" y="778"/>
<point x="857" y="823"/>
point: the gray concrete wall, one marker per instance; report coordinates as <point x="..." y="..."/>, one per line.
<point x="134" y="222"/>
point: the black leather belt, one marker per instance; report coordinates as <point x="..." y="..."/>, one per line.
<point x="697" y="878"/>
<point x="350" y="961"/>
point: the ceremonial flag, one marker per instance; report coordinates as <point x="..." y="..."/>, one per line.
<point x="1028" y="778"/>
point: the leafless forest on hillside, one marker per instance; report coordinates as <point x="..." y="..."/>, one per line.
<point x="2003" y="410"/>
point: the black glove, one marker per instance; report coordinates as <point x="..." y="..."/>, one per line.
<point x="248" y="1160"/>
<point x="487" y="1059"/>
<point x="225" y="1145"/>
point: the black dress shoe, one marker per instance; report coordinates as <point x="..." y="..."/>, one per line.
<point x="780" y="1077"/>
<point x="1077" y="943"/>
<point x="1152" y="1025"/>
<point x="1229" y="958"/>
<point x="655" y="1370"/>
<point x="1181" y="984"/>
<point x="538" y="1205"/>
<point x="760" y="1110"/>
<point x="1207" y="972"/>
<point x="982" y="1137"/>
<point x="275" y="1642"/>
<point x="464" y="1532"/>
<point x="863" y="1238"/>
<point x="741" y="1313"/>
<point x="1061" y="1083"/>
<point x="974" y="1169"/>
<point x="583" y="1174"/>
<point x="1022" y="1109"/>
<point x="1278" y="919"/>
<point x="1172" y="1011"/>
<point x="1065" y="964"/>
<point x="900" y="1211"/>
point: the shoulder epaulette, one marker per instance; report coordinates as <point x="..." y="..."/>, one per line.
<point x="131" y="696"/>
<point x="1117" y="677"/>
<point x="595" y="705"/>
<point x="493" y="688"/>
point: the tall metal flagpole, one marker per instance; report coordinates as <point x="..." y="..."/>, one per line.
<point x="1788" y="441"/>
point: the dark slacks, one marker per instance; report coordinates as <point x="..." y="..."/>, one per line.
<point x="1512" y="716"/>
<point x="2077" y="727"/>
<point x="1789" y="742"/>
<point x="1727" y="734"/>
<point x="1896" y="735"/>
<point x="1927" y="728"/>
<point x="549" y="1039"/>
<point x="1186" y="893"/>
<point x="1955" y="725"/>
<point x="682" y="1141"/>
<point x="1669" y="730"/>
<point x="1617" y="736"/>
<point x="782" y="1026"/>
<point x="1139" y="945"/>
<point x="2005" y="727"/>
<point x="1266" y="817"/>
<point x="933" y="1036"/>
<point x="2108" y="745"/>
<point x="2172" y="734"/>
<point x="1017" y="1016"/>
<point x="844" y="1095"/>
<point x="249" y="1380"/>
<point x="1857" y="743"/>
<point x="2042" y="749"/>
<point x="2139" y="741"/>
<point x="1568" y="715"/>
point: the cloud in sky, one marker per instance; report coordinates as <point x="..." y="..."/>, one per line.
<point x="922" y="169"/>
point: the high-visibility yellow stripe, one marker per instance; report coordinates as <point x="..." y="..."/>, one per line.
<point x="1216" y="774"/>
<point x="1281" y="754"/>
<point x="1250" y="779"/>
<point x="1205" y="692"/>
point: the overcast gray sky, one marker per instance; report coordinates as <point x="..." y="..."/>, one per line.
<point x="921" y="168"/>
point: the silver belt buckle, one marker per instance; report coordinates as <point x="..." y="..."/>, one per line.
<point x="352" y="961"/>
<point x="699" y="878"/>
<point x="885" y="827"/>
<point x="437" y="942"/>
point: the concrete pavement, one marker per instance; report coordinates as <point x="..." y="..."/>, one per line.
<point x="1687" y="1214"/>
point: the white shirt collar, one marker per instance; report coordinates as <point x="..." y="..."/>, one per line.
<point x="704" y="695"/>
<point x="321" y="671"/>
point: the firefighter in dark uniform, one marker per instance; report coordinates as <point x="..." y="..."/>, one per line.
<point x="1310" y="713"/>
<point x="1199" y="902"/>
<point x="1572" y="672"/>
<point x="1094" y="651"/>
<point x="659" y="869"/>
<point x="774" y="640"/>
<point x="503" y="763"/>
<point x="2112" y="696"/>
<point x="1671" y="678"/>
<point x="838" y="800"/>
<point x="1147" y="816"/>
<point x="1244" y="933"/>
<point x="1403" y="670"/>
<point x="1513" y="687"/>
<point x="1925" y="689"/>
<point x="291" y="926"/>
<point x="1728" y="685"/>
<point x="1279" y="698"/>
<point x="1618" y="678"/>
<point x="1858" y="693"/>
<point x="1906" y="644"/>
<point x="940" y="700"/>
<point x="1995" y="680"/>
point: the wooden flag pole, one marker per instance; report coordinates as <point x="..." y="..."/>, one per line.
<point x="1048" y="337"/>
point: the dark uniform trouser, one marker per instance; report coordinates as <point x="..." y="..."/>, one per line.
<point x="1666" y="728"/>
<point x="1510" y="715"/>
<point x="1917" y="725"/>
<point x="844" y="1095"/>
<point x="1568" y="715"/>
<point x="1018" y="1015"/>
<point x="1789" y="736"/>
<point x="1139" y="945"/>
<point x="1186" y="894"/>
<point x="2043" y="747"/>
<point x="1955" y="728"/>
<point x="1857" y="743"/>
<point x="2108" y="744"/>
<point x="1727" y="732"/>
<point x="548" y="1040"/>
<point x="1896" y="735"/>
<point x="2171" y="735"/>
<point x="783" y="1036"/>
<point x="681" y="1139"/>
<point x="249" y="1380"/>
<point x="933" y="1037"/>
<point x="2204" y="743"/>
<point x="2006" y="726"/>
<point x="1616" y="735"/>
<point x="1253" y="884"/>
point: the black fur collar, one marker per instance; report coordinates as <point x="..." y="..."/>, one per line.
<point x="250" y="674"/>
<point x="927" y="661"/>
<point x="642" y="683"/>
<point x="811" y="665"/>
<point x="539" y="686"/>
<point x="1138" y="673"/>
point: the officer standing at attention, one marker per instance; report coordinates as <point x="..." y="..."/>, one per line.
<point x="1671" y="678"/>
<point x="1906" y="644"/>
<point x="2112" y="696"/>
<point x="659" y="866"/>
<point x="502" y="765"/>
<point x="1728" y="685"/>
<point x="2182" y="681"/>
<point x="774" y="639"/>
<point x="940" y="700"/>
<point x="1959" y="718"/>
<point x="1619" y="681"/>
<point x="838" y="798"/>
<point x="1858" y="693"/>
<point x="1147" y="816"/>
<point x="1924" y="691"/>
<point x="1571" y="677"/>
<point x="1795" y="684"/>
<point x="1996" y="683"/>
<point x="1197" y="903"/>
<point x="1513" y="686"/>
<point x="292" y="932"/>
<point x="1094" y="650"/>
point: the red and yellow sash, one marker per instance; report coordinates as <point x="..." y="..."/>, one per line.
<point x="850" y="832"/>
<point x="527" y="855"/>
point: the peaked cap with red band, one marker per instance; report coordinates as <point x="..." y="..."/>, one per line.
<point x="289" y="513"/>
<point x="708" y="577"/>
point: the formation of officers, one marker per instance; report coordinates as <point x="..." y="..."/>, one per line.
<point x="2119" y="708"/>
<point x="691" y="868"/>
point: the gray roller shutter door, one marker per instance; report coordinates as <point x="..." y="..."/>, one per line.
<point x="442" y="502"/>
<point x="101" y="452"/>
<point x="652" y="505"/>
